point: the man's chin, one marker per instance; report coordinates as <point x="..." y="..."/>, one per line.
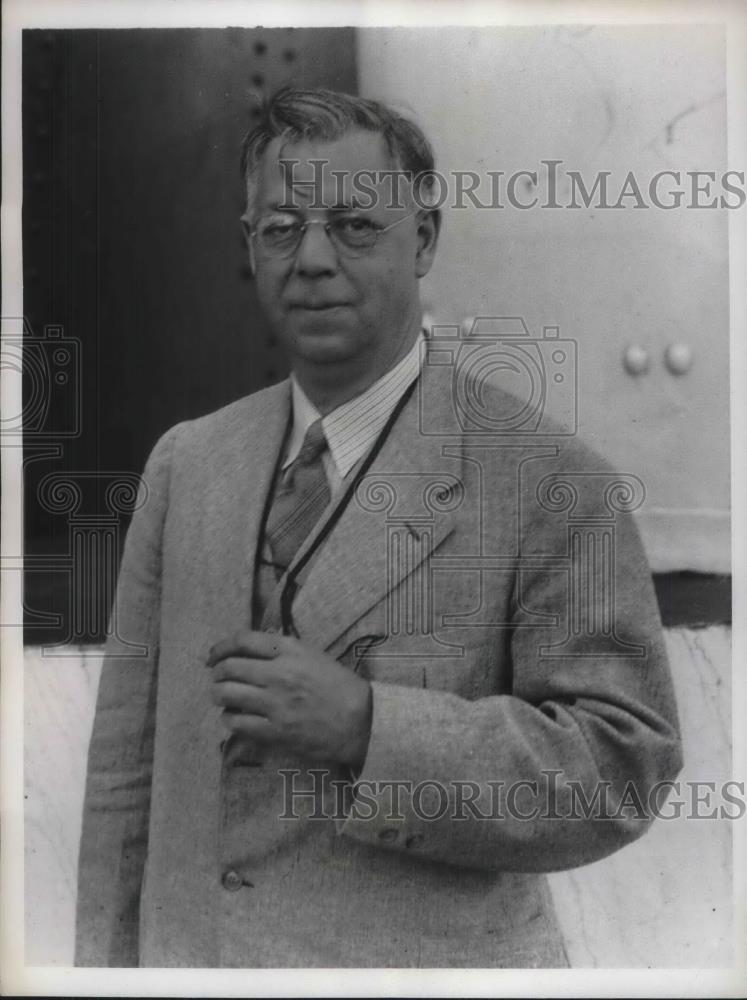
<point x="323" y="341"/>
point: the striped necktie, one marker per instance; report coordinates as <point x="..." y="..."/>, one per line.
<point x="301" y="497"/>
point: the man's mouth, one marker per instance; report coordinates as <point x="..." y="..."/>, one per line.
<point x="318" y="306"/>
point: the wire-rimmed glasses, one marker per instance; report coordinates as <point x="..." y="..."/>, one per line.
<point x="351" y="235"/>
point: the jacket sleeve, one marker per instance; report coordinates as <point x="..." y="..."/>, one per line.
<point x="114" y="839"/>
<point x="561" y="771"/>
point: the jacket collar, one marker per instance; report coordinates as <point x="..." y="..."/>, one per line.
<point x="402" y="510"/>
<point x="239" y="467"/>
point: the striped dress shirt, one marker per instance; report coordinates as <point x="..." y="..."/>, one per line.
<point x="351" y="431"/>
<point x="352" y="428"/>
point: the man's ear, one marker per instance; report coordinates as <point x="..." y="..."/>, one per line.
<point x="429" y="226"/>
<point x="247" y="230"/>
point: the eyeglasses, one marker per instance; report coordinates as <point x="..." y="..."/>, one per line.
<point x="350" y="235"/>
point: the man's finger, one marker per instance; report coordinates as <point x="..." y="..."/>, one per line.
<point x="251" y="727"/>
<point x="240" y="698"/>
<point x="255" y="645"/>
<point x="243" y="670"/>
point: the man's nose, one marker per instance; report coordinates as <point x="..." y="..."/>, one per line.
<point x="316" y="254"/>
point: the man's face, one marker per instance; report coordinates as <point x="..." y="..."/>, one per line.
<point x="326" y="306"/>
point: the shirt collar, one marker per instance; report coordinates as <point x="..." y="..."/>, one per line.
<point x="352" y="428"/>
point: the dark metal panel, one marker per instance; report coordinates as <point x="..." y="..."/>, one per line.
<point x="133" y="252"/>
<point x="693" y="600"/>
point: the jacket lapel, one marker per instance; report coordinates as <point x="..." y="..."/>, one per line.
<point x="241" y="478"/>
<point x="402" y="510"/>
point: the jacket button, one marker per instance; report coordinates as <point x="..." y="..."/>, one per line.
<point x="388" y="836"/>
<point x="415" y="840"/>
<point x="231" y="881"/>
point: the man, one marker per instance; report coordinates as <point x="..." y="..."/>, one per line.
<point x="362" y="679"/>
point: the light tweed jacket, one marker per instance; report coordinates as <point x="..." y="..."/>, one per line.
<point x="495" y="593"/>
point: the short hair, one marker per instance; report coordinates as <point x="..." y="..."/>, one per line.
<point x="297" y="114"/>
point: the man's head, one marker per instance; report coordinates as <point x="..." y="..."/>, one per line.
<point x="337" y="243"/>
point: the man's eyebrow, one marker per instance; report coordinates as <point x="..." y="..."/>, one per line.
<point x="288" y="206"/>
<point x="284" y="207"/>
<point x="352" y="204"/>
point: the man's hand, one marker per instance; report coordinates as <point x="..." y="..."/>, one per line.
<point x="278" y="691"/>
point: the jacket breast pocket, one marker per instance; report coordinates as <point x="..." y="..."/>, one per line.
<point x="471" y="669"/>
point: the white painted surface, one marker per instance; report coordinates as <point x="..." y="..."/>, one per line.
<point x="665" y="901"/>
<point x="641" y="99"/>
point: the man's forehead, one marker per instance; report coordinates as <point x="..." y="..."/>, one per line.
<point x="329" y="164"/>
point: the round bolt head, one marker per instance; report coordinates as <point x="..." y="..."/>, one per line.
<point x="636" y="359"/>
<point x="678" y="358"/>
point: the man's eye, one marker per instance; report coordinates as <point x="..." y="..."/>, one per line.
<point x="278" y="229"/>
<point x="354" y="224"/>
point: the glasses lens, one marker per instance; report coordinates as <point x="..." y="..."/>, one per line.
<point x="353" y="232"/>
<point x="351" y="235"/>
<point x="278" y="238"/>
